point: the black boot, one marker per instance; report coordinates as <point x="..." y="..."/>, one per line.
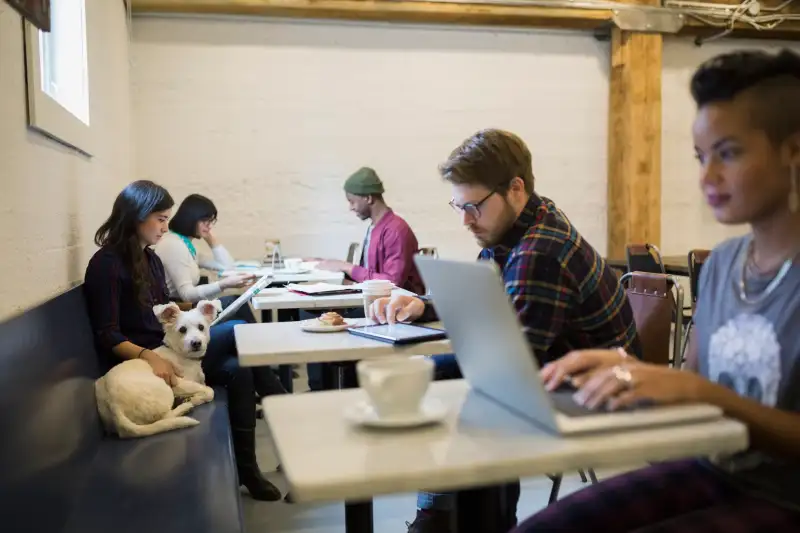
<point x="244" y="448"/>
<point x="267" y="382"/>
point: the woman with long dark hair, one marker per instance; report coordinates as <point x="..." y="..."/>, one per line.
<point x="747" y="349"/>
<point x="125" y="279"/>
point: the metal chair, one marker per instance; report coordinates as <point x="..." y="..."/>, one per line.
<point x="697" y="259"/>
<point x="429" y="251"/>
<point x="351" y="252"/>
<point x="644" y="258"/>
<point x="655" y="299"/>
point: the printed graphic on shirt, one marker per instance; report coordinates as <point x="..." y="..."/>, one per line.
<point x="745" y="356"/>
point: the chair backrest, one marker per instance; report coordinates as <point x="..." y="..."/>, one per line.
<point x="49" y="423"/>
<point x="351" y="252"/>
<point x="654" y="298"/>
<point x="429" y="251"/>
<point x="696" y="260"/>
<point x="644" y="258"/>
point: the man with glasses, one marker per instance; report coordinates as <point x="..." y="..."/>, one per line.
<point x="566" y="296"/>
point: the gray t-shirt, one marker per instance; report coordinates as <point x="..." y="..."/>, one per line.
<point x="752" y="348"/>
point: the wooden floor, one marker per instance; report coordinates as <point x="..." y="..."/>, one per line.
<point x="390" y="512"/>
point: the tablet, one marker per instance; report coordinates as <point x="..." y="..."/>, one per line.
<point x="234" y="306"/>
<point x="399" y="333"/>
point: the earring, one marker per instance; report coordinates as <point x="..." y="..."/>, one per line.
<point x="794" y="193"/>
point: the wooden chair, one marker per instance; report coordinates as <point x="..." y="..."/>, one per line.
<point x="655" y="299"/>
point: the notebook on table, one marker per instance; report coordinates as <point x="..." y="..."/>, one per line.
<point x="323" y="289"/>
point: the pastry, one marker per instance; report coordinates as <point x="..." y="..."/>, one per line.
<point x="332" y="319"/>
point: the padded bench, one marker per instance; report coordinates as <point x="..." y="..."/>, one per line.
<point x="60" y="472"/>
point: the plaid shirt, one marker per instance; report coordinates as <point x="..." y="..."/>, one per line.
<point x="565" y="295"/>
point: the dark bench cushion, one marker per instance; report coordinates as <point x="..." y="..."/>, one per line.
<point x="175" y="481"/>
<point x="49" y="427"/>
<point x="60" y="473"/>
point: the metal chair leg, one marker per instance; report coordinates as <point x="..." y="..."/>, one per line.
<point x="555" y="488"/>
<point x="592" y="476"/>
<point x="685" y="343"/>
<point x="583" y="475"/>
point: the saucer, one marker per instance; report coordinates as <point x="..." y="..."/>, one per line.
<point x="431" y="411"/>
<point x="291" y="271"/>
<point x="315" y="326"/>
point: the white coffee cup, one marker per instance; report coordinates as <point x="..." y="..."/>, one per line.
<point x="375" y="289"/>
<point x="395" y="385"/>
<point x="292" y="264"/>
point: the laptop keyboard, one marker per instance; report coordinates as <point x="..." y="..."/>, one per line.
<point x="566" y="405"/>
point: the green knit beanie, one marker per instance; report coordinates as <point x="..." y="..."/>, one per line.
<point x="364" y="182"/>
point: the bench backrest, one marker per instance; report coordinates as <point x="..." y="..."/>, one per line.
<point x="49" y="427"/>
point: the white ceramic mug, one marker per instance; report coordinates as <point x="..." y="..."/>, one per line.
<point x="292" y="264"/>
<point x="395" y="385"/>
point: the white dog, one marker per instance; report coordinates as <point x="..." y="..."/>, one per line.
<point x="134" y="402"/>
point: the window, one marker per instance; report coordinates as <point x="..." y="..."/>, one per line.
<point x="58" y="76"/>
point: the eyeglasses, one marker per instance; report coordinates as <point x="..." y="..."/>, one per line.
<point x="473" y="209"/>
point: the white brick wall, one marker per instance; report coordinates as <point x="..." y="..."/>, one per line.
<point x="52" y="199"/>
<point x="269" y="117"/>
<point x="686" y="222"/>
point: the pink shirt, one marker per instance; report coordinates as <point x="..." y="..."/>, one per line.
<point x="392" y="247"/>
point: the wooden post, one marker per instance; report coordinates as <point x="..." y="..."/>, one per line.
<point x="634" y="141"/>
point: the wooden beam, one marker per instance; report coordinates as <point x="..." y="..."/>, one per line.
<point x="634" y="141"/>
<point x="390" y="11"/>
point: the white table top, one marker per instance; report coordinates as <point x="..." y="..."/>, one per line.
<point x="315" y="276"/>
<point x="281" y="343"/>
<point x="285" y="299"/>
<point x="480" y="443"/>
<point x="275" y="298"/>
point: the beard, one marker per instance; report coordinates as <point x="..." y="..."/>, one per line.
<point x="494" y="236"/>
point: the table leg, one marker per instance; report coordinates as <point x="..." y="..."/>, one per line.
<point x="286" y="375"/>
<point x="358" y="517"/>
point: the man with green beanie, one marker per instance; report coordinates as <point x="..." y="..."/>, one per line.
<point x="389" y="245"/>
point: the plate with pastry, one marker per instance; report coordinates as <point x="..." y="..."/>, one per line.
<point x="327" y="323"/>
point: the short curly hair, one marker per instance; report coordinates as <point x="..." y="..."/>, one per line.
<point x="770" y="81"/>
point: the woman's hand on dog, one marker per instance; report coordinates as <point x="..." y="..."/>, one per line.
<point x="162" y="368"/>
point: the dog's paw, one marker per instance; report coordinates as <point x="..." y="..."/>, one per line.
<point x="205" y="396"/>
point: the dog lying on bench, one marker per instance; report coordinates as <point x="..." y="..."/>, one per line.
<point x="134" y="402"/>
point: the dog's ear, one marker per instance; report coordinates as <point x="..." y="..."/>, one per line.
<point x="168" y="313"/>
<point x="210" y="308"/>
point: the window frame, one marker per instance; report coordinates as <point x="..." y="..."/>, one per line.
<point x="45" y="114"/>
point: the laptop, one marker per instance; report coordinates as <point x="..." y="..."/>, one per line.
<point x="245" y="298"/>
<point x="497" y="361"/>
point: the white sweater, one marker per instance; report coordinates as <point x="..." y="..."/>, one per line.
<point x="183" y="270"/>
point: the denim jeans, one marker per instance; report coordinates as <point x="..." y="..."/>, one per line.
<point x="316" y="371"/>
<point x="221" y="367"/>
<point x="244" y="313"/>
<point x="446" y="367"/>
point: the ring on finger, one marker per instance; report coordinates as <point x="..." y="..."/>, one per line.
<point x="623" y="375"/>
